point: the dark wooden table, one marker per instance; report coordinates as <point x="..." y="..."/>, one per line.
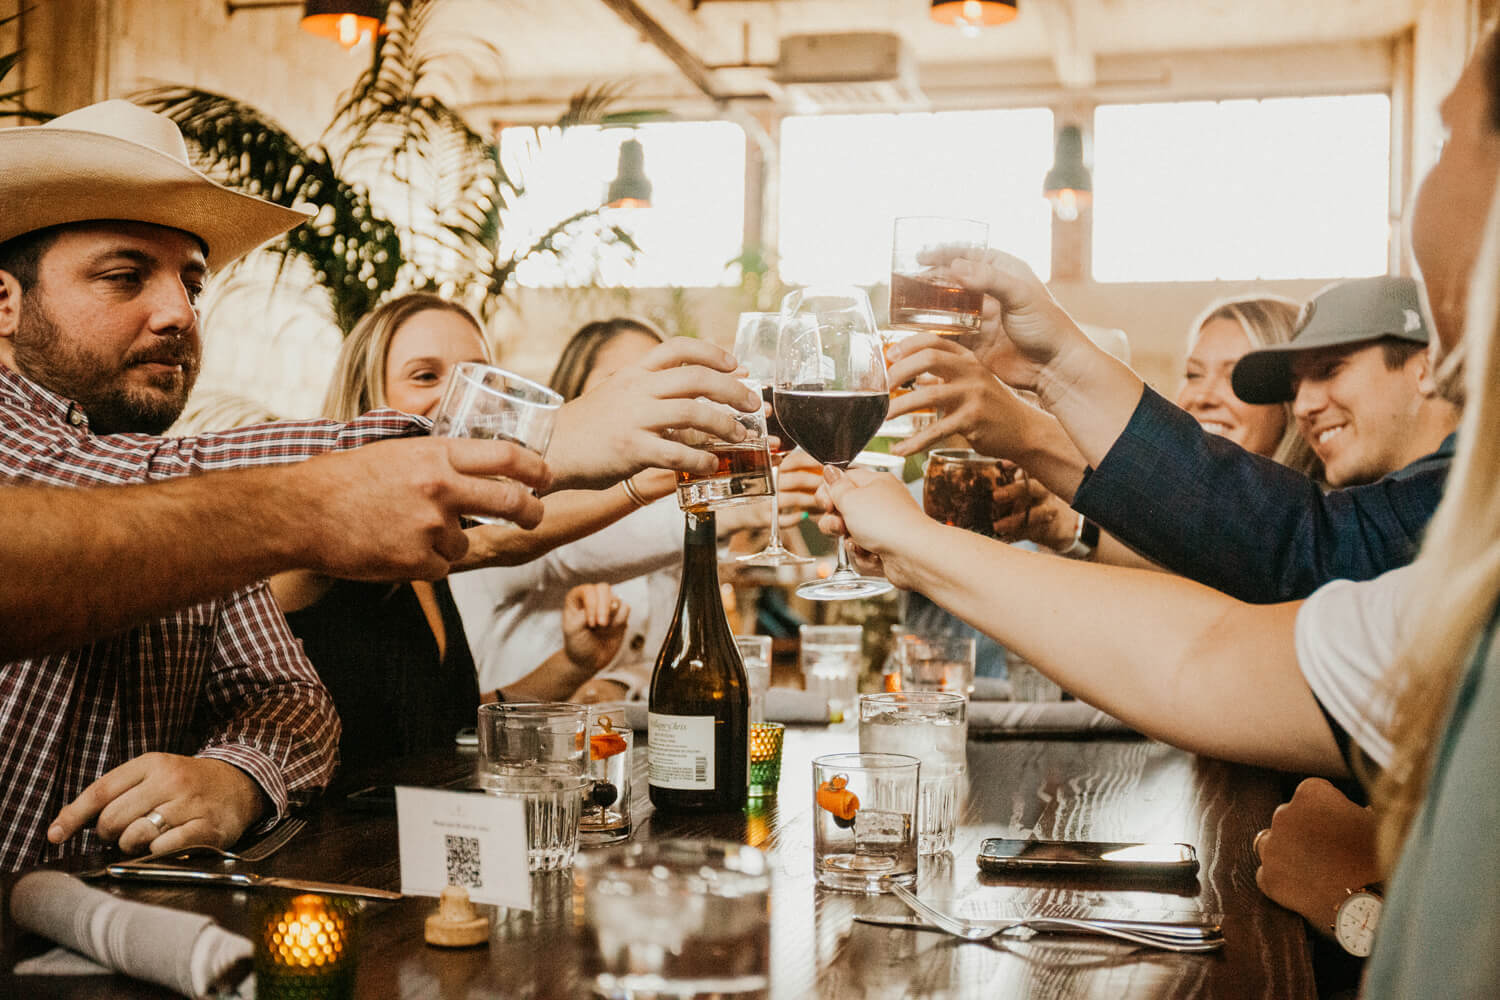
<point x="1116" y="789"/>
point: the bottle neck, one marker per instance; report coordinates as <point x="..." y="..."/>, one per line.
<point x="700" y="548"/>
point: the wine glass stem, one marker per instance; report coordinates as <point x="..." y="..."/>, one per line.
<point x="842" y="569"/>
<point x="774" y="545"/>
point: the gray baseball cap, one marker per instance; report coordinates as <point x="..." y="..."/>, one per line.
<point x="1346" y="313"/>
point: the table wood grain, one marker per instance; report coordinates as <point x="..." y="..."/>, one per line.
<point x="1097" y="789"/>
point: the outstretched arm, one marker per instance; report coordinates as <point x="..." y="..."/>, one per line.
<point x="384" y="511"/>
<point x="1178" y="661"/>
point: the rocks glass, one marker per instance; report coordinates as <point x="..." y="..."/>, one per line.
<point x="744" y="468"/>
<point x="924" y="296"/>
<point x="933" y="727"/>
<point x="936" y="663"/>
<point x="865" y="821"/>
<point x="482" y="401"/>
<point x="535" y="751"/>
<point x="676" y="918"/>
<point x="606" y="804"/>
<point x="958" y="489"/>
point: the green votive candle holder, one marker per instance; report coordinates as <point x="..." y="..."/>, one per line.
<point x="766" y="739"/>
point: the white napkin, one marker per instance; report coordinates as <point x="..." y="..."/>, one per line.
<point x="182" y="951"/>
<point x="788" y="705"/>
<point x="1043" y="717"/>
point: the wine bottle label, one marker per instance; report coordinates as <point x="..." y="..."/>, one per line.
<point x="681" y="751"/>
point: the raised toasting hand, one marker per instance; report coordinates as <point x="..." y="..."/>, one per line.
<point x="160" y="801"/>
<point x="618" y="427"/>
<point x="390" y="510"/>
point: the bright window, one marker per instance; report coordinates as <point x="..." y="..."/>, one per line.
<point x="694" y="226"/>
<point x="844" y="178"/>
<point x="1205" y="190"/>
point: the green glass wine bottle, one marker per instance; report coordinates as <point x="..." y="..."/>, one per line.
<point x="698" y="730"/>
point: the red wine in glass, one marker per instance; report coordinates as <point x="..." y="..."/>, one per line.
<point x="831" y="426"/>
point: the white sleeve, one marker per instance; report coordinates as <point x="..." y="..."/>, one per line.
<point x="1347" y="636"/>
<point x="642" y="542"/>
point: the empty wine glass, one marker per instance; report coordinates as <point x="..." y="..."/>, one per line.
<point x="755" y="347"/>
<point x="831" y="397"/>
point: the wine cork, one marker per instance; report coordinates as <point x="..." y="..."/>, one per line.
<point x="455" y="924"/>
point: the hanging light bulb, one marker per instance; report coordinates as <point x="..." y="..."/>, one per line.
<point x="630" y="188"/>
<point x="1069" y="186"/>
<point x="971" y="15"/>
<point x="347" y="22"/>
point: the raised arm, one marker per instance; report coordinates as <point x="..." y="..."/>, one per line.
<point x="1182" y="663"/>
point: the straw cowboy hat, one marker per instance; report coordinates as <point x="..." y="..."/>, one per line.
<point x="115" y="160"/>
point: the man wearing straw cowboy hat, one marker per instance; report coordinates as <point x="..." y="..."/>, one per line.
<point x="210" y="719"/>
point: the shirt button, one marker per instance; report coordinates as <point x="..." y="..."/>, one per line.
<point x="75" y="417"/>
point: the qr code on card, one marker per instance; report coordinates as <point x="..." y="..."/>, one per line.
<point x="463" y="861"/>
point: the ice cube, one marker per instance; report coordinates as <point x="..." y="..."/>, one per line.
<point x="881" y="828"/>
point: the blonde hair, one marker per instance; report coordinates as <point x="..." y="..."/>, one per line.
<point x="1457" y="577"/>
<point x="1267" y="320"/>
<point x="358" y="382"/>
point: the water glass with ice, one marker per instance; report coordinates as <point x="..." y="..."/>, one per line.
<point x="831" y="656"/>
<point x="865" y="821"/>
<point x="536" y="751"/>
<point x="755" y="651"/>
<point x="933" y="727"/>
<point x="676" y="918"/>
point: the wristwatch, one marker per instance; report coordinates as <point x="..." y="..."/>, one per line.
<point x="1085" y="540"/>
<point x="1355" y="919"/>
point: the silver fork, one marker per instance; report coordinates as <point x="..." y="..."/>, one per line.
<point x="1197" y="941"/>
<point x="258" y="851"/>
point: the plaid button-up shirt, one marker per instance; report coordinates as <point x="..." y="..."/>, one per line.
<point x="224" y="679"/>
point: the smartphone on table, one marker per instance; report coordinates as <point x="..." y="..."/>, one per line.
<point x="1004" y="856"/>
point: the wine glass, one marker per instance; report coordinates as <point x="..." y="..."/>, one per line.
<point x="755" y="347"/>
<point x="831" y="397"/>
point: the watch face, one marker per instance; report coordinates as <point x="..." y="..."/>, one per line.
<point x="1354" y="924"/>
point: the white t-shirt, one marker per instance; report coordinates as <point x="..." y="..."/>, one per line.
<point x="513" y="614"/>
<point x="1347" y="636"/>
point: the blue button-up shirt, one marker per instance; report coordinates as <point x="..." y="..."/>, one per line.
<point x="1206" y="508"/>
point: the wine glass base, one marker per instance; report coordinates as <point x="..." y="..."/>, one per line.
<point x="773" y="557"/>
<point x="844" y="588"/>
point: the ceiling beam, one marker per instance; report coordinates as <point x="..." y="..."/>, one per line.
<point x="1072" y="55"/>
<point x="635" y="15"/>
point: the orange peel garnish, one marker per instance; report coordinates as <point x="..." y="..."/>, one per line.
<point x="835" y="798"/>
<point x="607" y="743"/>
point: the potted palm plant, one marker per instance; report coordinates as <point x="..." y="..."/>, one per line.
<point x="392" y="142"/>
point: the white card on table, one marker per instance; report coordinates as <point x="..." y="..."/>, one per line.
<point x="464" y="839"/>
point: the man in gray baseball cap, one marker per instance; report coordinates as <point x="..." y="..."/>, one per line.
<point x="1359" y="378"/>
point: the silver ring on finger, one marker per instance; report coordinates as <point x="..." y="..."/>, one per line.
<point x="157" y="820"/>
<point x="1255" y="844"/>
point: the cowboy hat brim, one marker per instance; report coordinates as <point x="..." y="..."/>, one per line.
<point x="55" y="176"/>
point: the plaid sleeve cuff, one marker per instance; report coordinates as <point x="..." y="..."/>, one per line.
<point x="262" y="770"/>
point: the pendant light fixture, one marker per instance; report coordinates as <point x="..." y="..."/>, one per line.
<point x="347" y="22"/>
<point x="973" y="13"/>
<point x="1069" y="186"/>
<point x="630" y="188"/>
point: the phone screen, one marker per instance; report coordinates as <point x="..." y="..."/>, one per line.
<point x="1001" y="854"/>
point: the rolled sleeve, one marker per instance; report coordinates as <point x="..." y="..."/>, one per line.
<point x="268" y="712"/>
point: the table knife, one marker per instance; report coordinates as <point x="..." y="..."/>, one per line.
<point x="243" y="880"/>
<point x="1188" y="930"/>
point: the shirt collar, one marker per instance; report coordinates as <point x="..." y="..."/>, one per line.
<point x="20" y="390"/>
